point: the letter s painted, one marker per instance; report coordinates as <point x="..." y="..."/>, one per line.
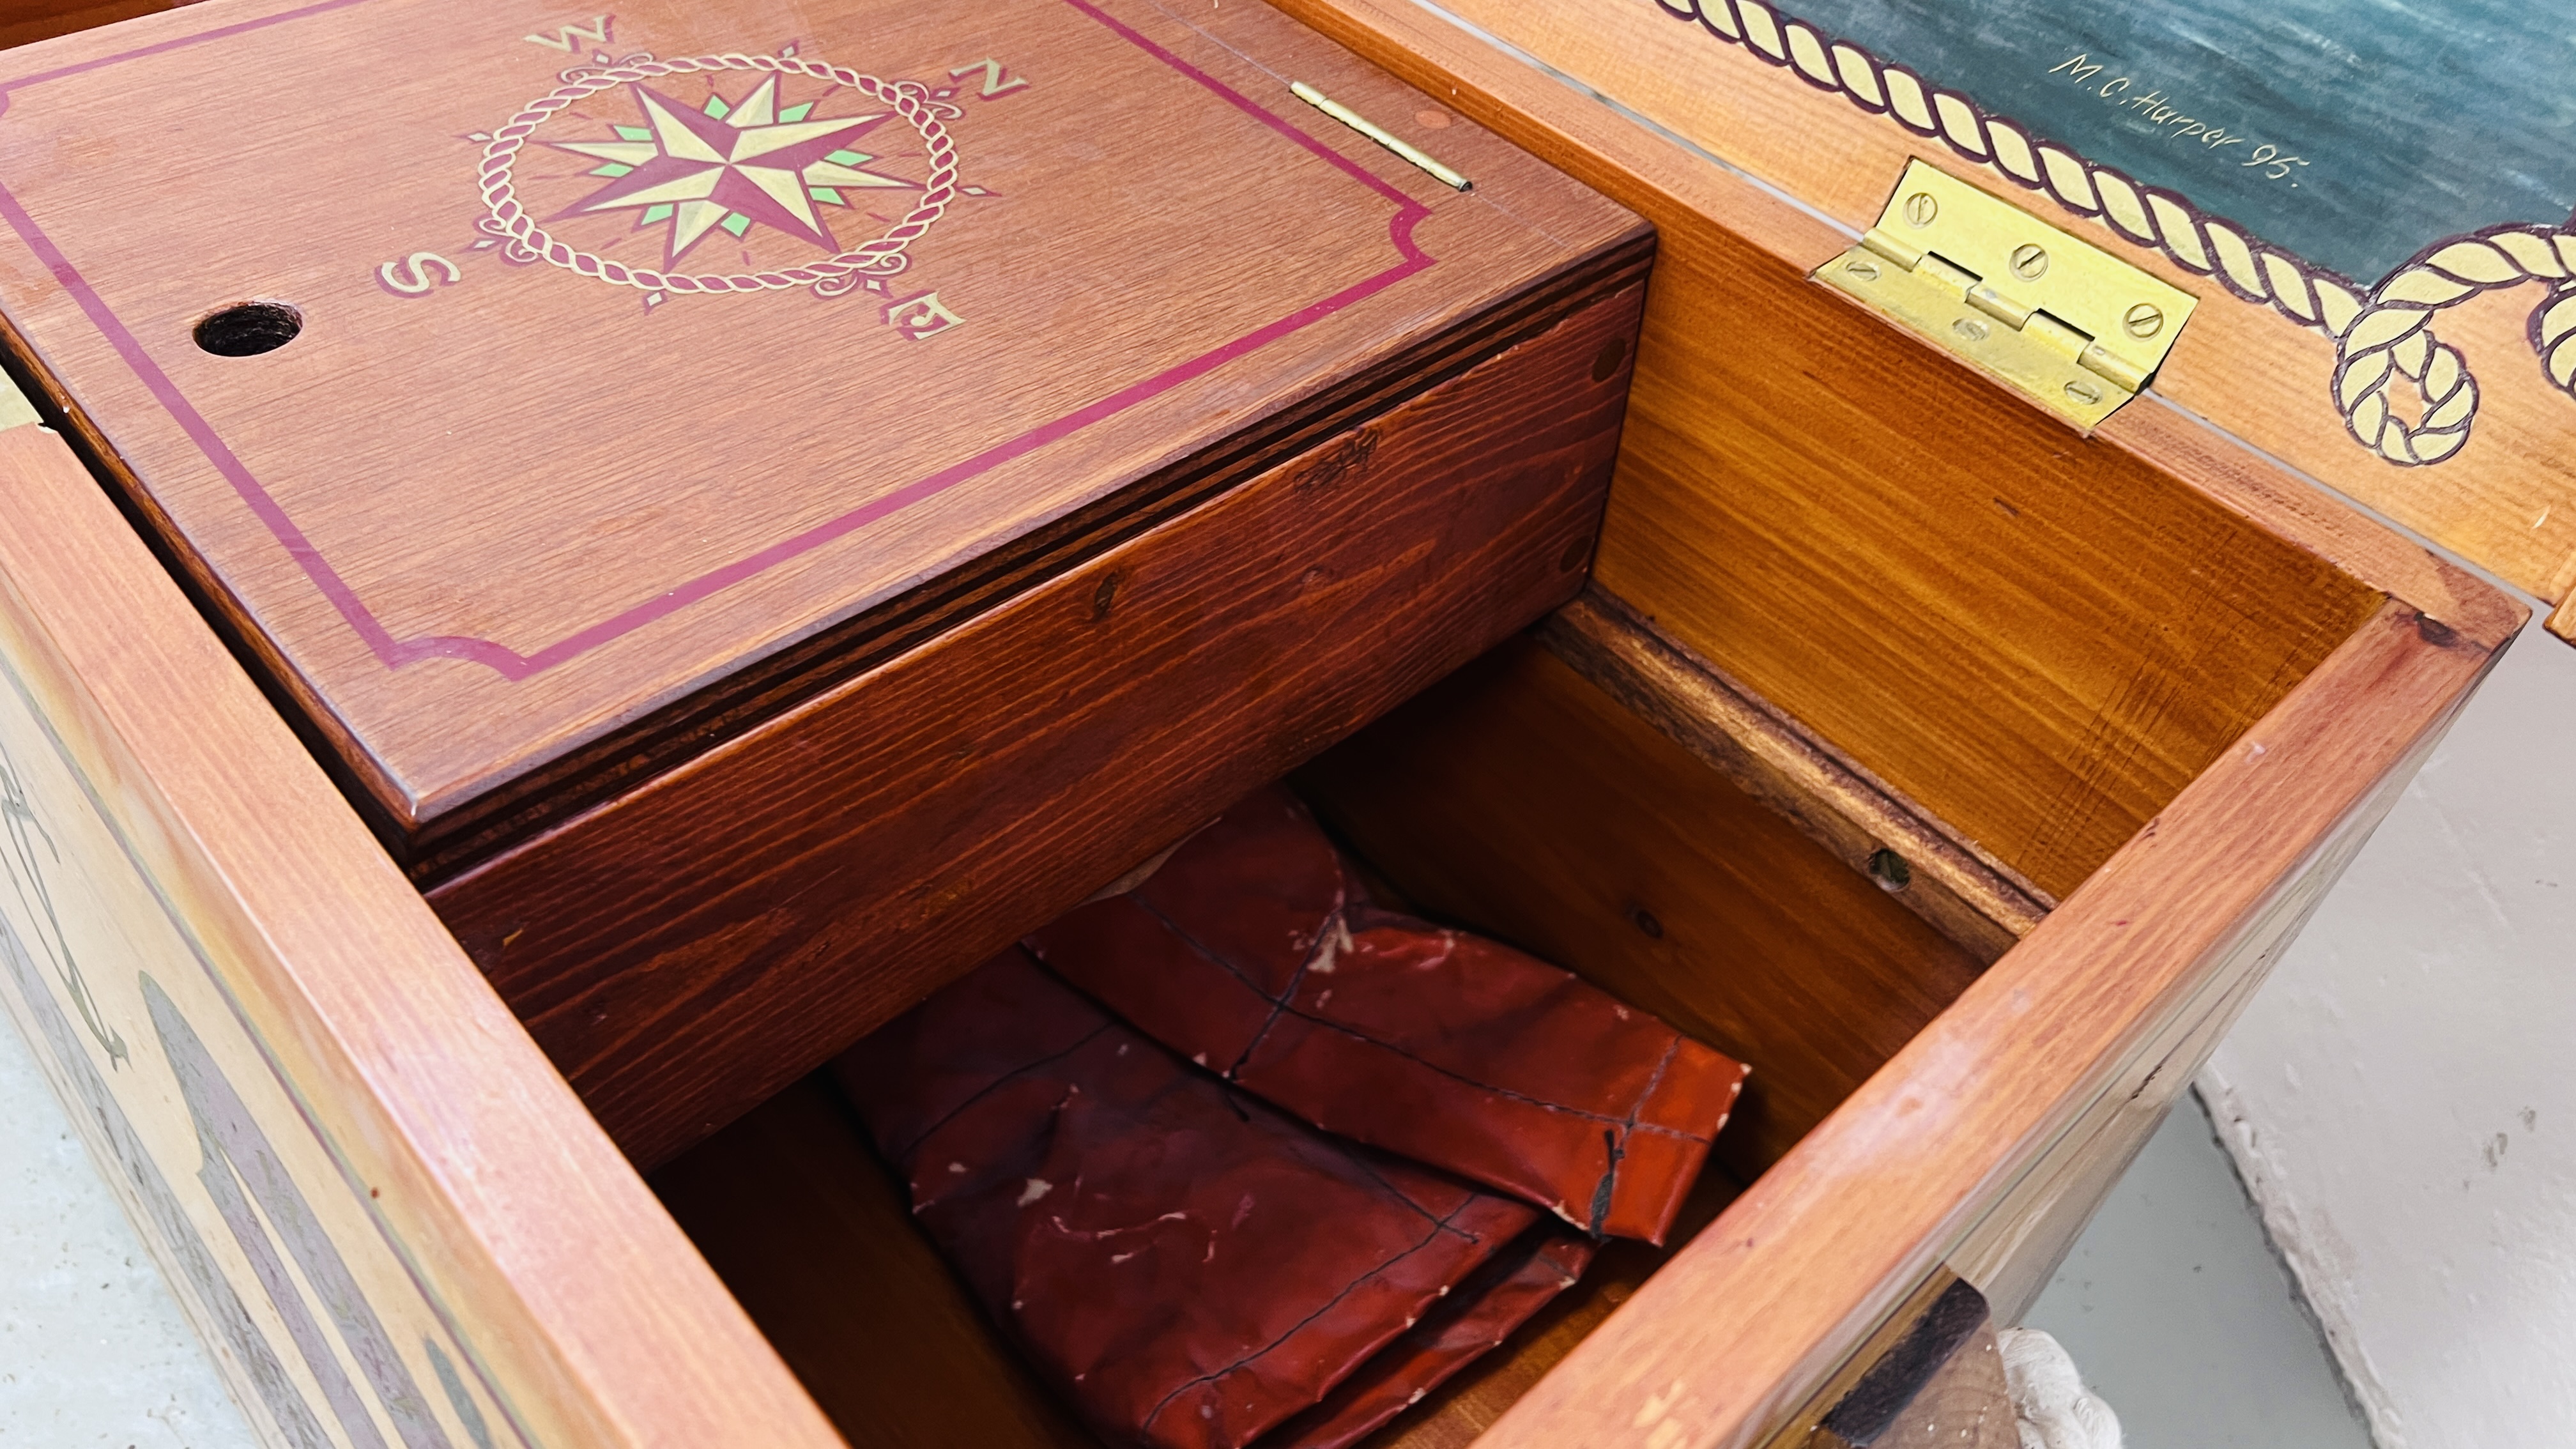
<point x="410" y="278"/>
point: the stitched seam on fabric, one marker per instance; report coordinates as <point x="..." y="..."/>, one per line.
<point x="997" y="1084"/>
<point x="1440" y="1223"/>
<point x="1280" y="1007"/>
<point x="1300" y="1325"/>
<point x="1608" y="1192"/>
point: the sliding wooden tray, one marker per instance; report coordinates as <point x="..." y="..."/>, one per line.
<point x="754" y="536"/>
<point x="1962" y="781"/>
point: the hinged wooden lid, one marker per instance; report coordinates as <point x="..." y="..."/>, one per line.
<point x="636" y="350"/>
<point x="2371" y="203"/>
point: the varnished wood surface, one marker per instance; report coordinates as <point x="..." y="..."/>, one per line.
<point x="586" y="777"/>
<point x="29" y="20"/>
<point x="1519" y="800"/>
<point x="475" y="528"/>
<point x="2017" y="1245"/>
<point x="2038" y="637"/>
<point x="1876" y="1355"/>
<point x="485" y="1198"/>
<point x="815" y="1239"/>
<point x="813" y="879"/>
<point x="1927" y="867"/>
<point x="1818" y="1252"/>
<point x="2508" y="499"/>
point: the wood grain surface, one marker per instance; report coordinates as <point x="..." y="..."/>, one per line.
<point x="2038" y="636"/>
<point x="2507" y="499"/>
<point x="214" y="908"/>
<point x="1929" y="868"/>
<point x="1823" y="1247"/>
<point x="815" y="1238"/>
<point x="22" y="21"/>
<point x="1519" y="800"/>
<point x="2017" y="1245"/>
<point x="812" y="879"/>
<point x="488" y="515"/>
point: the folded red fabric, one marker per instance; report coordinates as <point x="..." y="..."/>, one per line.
<point x="1188" y="1266"/>
<point x="1485" y="1310"/>
<point x="1253" y="951"/>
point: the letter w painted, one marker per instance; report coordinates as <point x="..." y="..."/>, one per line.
<point x="596" y="33"/>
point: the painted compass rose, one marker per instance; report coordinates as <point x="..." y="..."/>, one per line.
<point x="731" y="165"/>
<point x="782" y="159"/>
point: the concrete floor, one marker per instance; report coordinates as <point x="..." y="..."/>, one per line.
<point x="2184" y="1321"/>
<point x="2171" y="1304"/>
<point x="93" y="1352"/>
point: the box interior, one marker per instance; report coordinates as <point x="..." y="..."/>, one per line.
<point x="1515" y="798"/>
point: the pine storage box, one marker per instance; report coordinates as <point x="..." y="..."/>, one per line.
<point x="1964" y="784"/>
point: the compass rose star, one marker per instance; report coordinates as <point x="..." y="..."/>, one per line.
<point x="732" y="166"/>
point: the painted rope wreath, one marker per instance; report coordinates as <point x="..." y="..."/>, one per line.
<point x="882" y="257"/>
<point x="2378" y="334"/>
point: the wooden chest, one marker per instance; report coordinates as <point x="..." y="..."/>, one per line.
<point x="856" y="516"/>
<point x="1958" y="768"/>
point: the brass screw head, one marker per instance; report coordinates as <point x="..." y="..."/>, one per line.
<point x="2029" y="261"/>
<point x="1971" y="328"/>
<point x="2084" y="392"/>
<point x="1920" y="208"/>
<point x="1862" y="268"/>
<point x="2143" y="320"/>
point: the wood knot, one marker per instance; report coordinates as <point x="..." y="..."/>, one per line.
<point x="1105" y="597"/>
<point x="1349" y="455"/>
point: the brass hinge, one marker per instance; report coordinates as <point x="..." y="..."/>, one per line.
<point x="2078" y="329"/>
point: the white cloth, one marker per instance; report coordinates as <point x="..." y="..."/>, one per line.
<point x="2053" y="1408"/>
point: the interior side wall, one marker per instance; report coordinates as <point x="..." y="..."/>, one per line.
<point x="25" y="20"/>
<point x="2035" y="635"/>
<point x="1517" y="799"/>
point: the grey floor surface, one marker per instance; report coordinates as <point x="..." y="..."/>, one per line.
<point x="2170" y="1303"/>
<point x="2182" y="1319"/>
<point x="93" y="1352"/>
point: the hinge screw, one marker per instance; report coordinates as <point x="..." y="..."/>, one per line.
<point x="2029" y="262"/>
<point x="1920" y="208"/>
<point x="2143" y="320"/>
<point x="1970" y="328"/>
<point x="1867" y="271"/>
<point x="2084" y="392"/>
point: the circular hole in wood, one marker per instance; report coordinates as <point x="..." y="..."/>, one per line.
<point x="247" y="329"/>
<point x="1605" y="364"/>
<point x="1644" y="920"/>
<point x="1890" y="870"/>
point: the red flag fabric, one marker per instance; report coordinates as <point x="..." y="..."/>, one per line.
<point x="1253" y="951"/>
<point x="1189" y="1267"/>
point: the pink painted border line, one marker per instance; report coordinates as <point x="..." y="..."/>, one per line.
<point x="509" y="663"/>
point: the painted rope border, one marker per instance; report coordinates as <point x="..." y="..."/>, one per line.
<point x="882" y="257"/>
<point x="2379" y="333"/>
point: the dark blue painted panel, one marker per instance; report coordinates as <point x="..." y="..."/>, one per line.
<point x="2352" y="132"/>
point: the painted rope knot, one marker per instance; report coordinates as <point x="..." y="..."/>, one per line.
<point x="2393" y="337"/>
